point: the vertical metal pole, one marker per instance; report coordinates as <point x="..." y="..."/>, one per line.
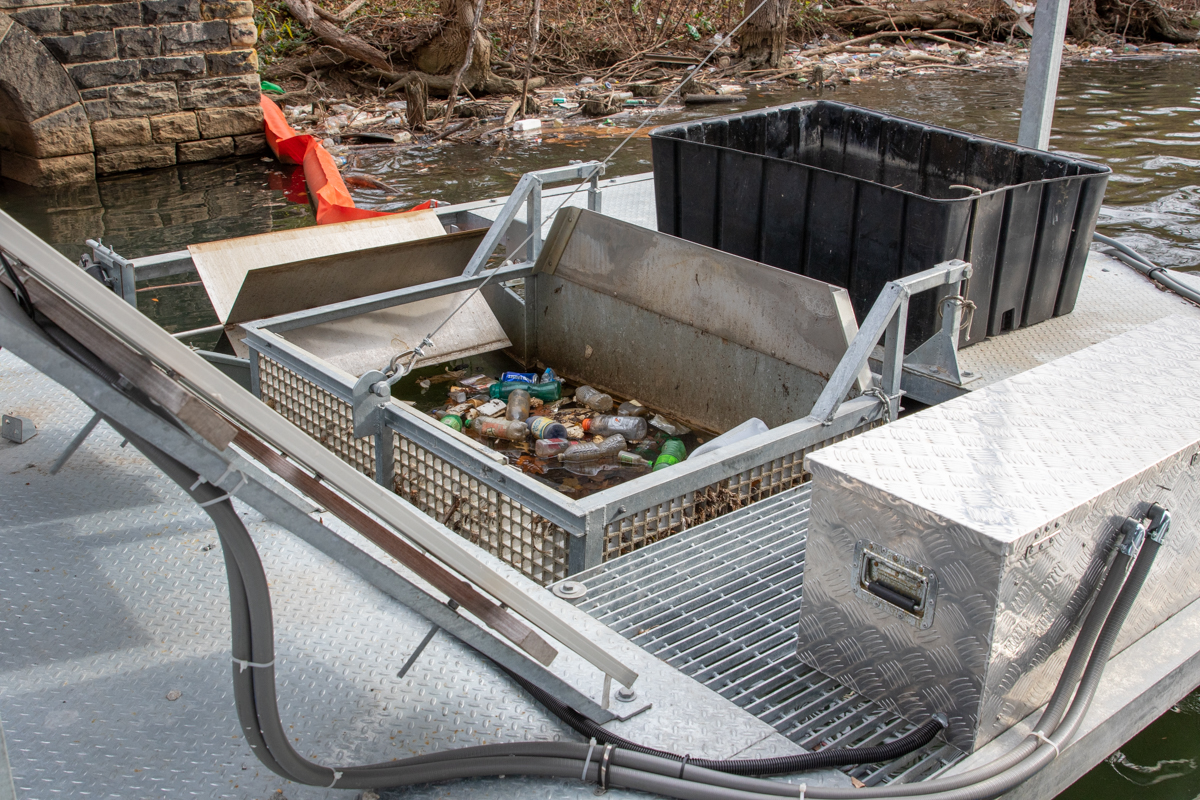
<point x="594" y="192"/>
<point x="128" y="282"/>
<point x="1041" y="81"/>
<point x="533" y="219"/>
<point x="893" y="356"/>
<point x="385" y="457"/>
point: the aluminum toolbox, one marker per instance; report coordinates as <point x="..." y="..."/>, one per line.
<point x="857" y="198"/>
<point x="993" y="514"/>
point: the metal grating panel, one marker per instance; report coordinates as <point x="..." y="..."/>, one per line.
<point x="480" y="514"/>
<point x="694" y="508"/>
<point x="720" y="602"/>
<point x="315" y="411"/>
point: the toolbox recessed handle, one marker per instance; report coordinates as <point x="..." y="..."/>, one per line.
<point x="894" y="583"/>
<point x="889" y="594"/>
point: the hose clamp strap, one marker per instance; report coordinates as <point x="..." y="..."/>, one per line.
<point x="803" y="790"/>
<point x="683" y="765"/>
<point x="337" y="776"/>
<point x="587" y="762"/>
<point x="1044" y="739"/>
<point x="243" y="664"/>
<point x="229" y="470"/>
<point x="604" y="759"/>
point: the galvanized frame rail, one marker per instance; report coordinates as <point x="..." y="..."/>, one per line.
<point x="586" y="519"/>
<point x="529" y="192"/>
<point x="143" y="335"/>
<point x="268" y="497"/>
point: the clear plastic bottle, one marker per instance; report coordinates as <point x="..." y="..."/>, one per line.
<point x="588" y="451"/>
<point x="547" y="428"/>
<point x="549" y="448"/>
<point x="452" y="421"/>
<point x="546" y="392"/>
<point x="672" y="453"/>
<point x="632" y="428"/>
<point x="511" y="429"/>
<point x="518" y="405"/>
<point x="632" y="409"/>
<point x="549" y="376"/>
<point x="629" y="459"/>
<point x="593" y="399"/>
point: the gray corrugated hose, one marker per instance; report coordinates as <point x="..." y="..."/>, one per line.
<point x="258" y="710"/>
<point x="1160" y="275"/>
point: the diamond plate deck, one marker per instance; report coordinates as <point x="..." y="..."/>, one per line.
<point x="719" y="602"/>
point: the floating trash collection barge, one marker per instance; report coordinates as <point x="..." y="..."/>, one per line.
<point x="674" y="592"/>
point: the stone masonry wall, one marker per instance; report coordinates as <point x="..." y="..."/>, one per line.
<point x="161" y="81"/>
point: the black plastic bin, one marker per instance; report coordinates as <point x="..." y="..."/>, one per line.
<point x="858" y="198"/>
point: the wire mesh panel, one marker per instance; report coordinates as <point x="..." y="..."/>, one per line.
<point x="710" y="502"/>
<point x="480" y="514"/>
<point x="719" y="603"/>
<point x="315" y="411"/>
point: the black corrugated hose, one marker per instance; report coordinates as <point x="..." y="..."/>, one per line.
<point x="780" y="765"/>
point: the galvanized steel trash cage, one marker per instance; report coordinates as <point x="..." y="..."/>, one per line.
<point x="540" y="531"/>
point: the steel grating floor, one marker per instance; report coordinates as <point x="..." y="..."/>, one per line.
<point x="719" y="603"/>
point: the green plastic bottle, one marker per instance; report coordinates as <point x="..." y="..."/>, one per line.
<point x="672" y="453"/>
<point x="452" y="421"/>
<point x="546" y="392"/>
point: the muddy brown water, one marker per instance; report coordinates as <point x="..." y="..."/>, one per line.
<point x="1139" y="116"/>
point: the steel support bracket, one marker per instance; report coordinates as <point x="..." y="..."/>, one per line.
<point x="366" y="404"/>
<point x="937" y="357"/>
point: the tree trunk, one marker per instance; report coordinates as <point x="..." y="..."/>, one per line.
<point x="447" y="50"/>
<point x="764" y="38"/>
<point x="468" y="58"/>
<point x="417" y="97"/>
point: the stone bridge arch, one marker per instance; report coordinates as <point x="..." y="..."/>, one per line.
<point x="92" y="88"/>
<point x="44" y="132"/>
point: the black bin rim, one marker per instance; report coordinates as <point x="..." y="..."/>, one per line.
<point x="1088" y="169"/>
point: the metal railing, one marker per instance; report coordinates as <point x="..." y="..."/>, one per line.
<point x="538" y="530"/>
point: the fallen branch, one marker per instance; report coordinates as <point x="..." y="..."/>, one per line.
<point x="346" y="13"/>
<point x="834" y="48"/>
<point x="333" y="36"/>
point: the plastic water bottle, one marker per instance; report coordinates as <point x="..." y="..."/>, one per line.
<point x="452" y="421"/>
<point x="518" y="405"/>
<point x="632" y="460"/>
<point x="546" y="428"/>
<point x="593" y="399"/>
<point x="546" y="392"/>
<point x="511" y="429"/>
<point x="523" y="377"/>
<point x="672" y="453"/>
<point x="588" y="451"/>
<point x="632" y="409"/>
<point x="632" y="428"/>
<point x="549" y="448"/>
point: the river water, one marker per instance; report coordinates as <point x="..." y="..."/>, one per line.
<point x="1139" y="116"/>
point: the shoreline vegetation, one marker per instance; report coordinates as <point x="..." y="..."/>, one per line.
<point x="392" y="72"/>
